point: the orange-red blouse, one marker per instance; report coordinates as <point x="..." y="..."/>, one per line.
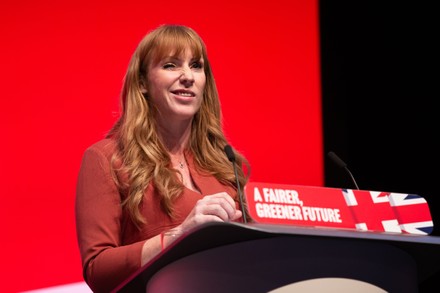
<point x="109" y="243"/>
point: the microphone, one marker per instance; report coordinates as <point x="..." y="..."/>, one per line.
<point x="338" y="161"/>
<point x="231" y="157"/>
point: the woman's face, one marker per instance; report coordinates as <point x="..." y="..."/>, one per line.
<point x="175" y="86"/>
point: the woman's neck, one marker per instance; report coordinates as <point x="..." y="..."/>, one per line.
<point x="175" y="139"/>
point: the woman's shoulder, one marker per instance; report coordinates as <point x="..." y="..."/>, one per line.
<point x="105" y="146"/>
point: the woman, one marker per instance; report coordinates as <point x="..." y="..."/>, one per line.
<point x="162" y="166"/>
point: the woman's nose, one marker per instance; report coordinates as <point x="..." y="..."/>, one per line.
<point x="187" y="76"/>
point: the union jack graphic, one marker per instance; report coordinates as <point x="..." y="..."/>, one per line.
<point x="389" y="212"/>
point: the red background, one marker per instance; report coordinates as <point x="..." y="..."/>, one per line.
<point x="62" y="65"/>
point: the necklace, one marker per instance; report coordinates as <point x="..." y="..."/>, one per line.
<point x="180" y="162"/>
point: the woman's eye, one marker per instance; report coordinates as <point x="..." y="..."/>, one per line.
<point x="197" y="65"/>
<point x="169" y="66"/>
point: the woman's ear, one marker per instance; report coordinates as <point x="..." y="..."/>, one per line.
<point x="143" y="88"/>
<point x="144" y="93"/>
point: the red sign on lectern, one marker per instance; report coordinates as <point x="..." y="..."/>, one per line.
<point x="338" y="208"/>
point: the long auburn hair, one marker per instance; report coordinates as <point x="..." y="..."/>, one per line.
<point x="142" y="155"/>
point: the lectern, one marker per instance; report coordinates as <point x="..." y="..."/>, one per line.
<point x="230" y="257"/>
<point x="278" y="257"/>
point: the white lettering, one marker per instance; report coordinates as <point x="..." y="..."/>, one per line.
<point x="321" y="214"/>
<point x="257" y="195"/>
<point x="276" y="211"/>
<point x="281" y="196"/>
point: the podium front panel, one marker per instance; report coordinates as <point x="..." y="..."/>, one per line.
<point x="269" y="264"/>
